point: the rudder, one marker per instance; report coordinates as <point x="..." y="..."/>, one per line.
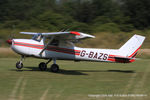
<point x="130" y="48"/>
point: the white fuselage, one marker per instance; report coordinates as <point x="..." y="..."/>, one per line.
<point x="29" y="47"/>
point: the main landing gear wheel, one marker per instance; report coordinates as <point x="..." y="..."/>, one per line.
<point x="19" y="65"/>
<point x="54" y="68"/>
<point x="42" y="66"/>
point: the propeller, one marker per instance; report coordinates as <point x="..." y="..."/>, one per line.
<point x="9" y="41"/>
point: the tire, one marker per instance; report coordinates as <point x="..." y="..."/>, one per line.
<point x="19" y="65"/>
<point x="54" y="68"/>
<point x="42" y="66"/>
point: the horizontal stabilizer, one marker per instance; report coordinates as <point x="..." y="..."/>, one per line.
<point x="124" y="59"/>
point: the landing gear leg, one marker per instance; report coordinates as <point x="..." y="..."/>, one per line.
<point x="19" y="64"/>
<point x="43" y="65"/>
<point x="54" y="67"/>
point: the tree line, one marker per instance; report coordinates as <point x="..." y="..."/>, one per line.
<point x="79" y="15"/>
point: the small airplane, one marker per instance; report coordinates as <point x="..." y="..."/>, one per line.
<point x="60" y="46"/>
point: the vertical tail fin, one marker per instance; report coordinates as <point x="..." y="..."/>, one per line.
<point x="130" y="48"/>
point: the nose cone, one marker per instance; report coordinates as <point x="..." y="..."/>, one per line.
<point x="9" y="41"/>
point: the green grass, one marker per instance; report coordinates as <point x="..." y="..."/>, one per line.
<point x="75" y="81"/>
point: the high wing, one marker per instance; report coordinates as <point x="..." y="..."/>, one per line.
<point x="72" y="35"/>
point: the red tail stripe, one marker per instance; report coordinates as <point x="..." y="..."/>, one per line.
<point x="132" y="60"/>
<point x="135" y="52"/>
<point x="128" y="56"/>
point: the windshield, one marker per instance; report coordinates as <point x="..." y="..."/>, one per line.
<point x="37" y="37"/>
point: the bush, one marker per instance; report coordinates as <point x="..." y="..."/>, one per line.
<point x="78" y="26"/>
<point x="53" y="21"/>
<point x="108" y="27"/>
<point x="127" y="27"/>
<point x="101" y="20"/>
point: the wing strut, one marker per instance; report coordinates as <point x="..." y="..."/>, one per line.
<point x="46" y="45"/>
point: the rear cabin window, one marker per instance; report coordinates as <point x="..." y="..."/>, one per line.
<point x="55" y="43"/>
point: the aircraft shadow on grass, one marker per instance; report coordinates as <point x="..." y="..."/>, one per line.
<point x="74" y="72"/>
<point x="61" y="71"/>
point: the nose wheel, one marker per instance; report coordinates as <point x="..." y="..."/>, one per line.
<point x="19" y="64"/>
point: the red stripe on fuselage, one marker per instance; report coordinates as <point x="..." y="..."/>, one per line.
<point x="111" y="59"/>
<point x="56" y="49"/>
<point x="29" y="44"/>
<point x="63" y="48"/>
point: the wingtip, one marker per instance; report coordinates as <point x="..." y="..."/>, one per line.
<point x="94" y="36"/>
<point x="88" y="35"/>
<point x="21" y="32"/>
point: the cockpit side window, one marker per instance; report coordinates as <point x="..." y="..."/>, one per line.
<point x="55" y="42"/>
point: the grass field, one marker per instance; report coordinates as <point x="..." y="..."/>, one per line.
<point x="75" y="81"/>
